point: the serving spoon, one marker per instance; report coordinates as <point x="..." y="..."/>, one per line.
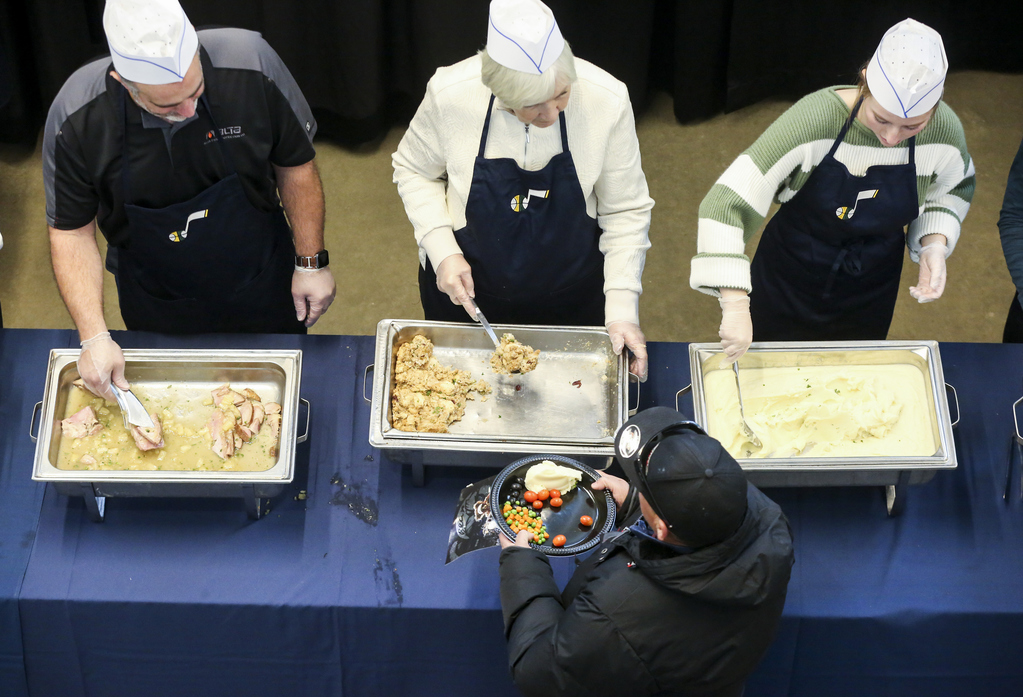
<point x="746" y="430"/>
<point x="486" y="325"/>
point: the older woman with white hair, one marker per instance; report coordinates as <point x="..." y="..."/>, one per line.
<point x="521" y="175"/>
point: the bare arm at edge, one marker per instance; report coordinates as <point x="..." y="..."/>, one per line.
<point x="78" y="268"/>
<point x="302" y="197"/>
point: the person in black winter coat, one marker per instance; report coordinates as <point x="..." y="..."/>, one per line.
<point x="684" y="601"/>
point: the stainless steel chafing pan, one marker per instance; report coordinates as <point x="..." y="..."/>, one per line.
<point x="572" y="404"/>
<point x="892" y="472"/>
<point x="274" y="375"/>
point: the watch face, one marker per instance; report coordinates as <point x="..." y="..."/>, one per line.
<point x="319" y="261"/>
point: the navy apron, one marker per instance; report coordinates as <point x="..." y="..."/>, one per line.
<point x="532" y="248"/>
<point x="214" y="263"/>
<point x="829" y="263"/>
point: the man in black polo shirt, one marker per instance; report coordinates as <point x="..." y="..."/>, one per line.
<point x="183" y="146"/>
<point x="684" y="602"/>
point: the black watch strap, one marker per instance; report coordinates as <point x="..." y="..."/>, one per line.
<point x="318" y="261"/>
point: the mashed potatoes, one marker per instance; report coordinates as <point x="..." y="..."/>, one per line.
<point x="823" y="411"/>
<point x="548" y="475"/>
<point x="428" y="396"/>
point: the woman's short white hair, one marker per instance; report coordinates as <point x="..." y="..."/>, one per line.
<point x="517" y="89"/>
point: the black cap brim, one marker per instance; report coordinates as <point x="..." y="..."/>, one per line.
<point x="634" y="438"/>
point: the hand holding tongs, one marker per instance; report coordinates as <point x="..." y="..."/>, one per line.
<point x="486" y="325"/>
<point x="132" y="410"/>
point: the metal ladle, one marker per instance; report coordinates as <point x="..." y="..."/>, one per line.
<point x="746" y="430"/>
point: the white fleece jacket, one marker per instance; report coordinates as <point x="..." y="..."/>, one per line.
<point x="434" y="162"/>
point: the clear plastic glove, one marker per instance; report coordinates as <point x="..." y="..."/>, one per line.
<point x="618" y="487"/>
<point x="630" y="336"/>
<point x="931" y="283"/>
<point x="101" y="361"/>
<point x="736" y="330"/>
<point x="454" y="278"/>
<point x="313" y="291"/>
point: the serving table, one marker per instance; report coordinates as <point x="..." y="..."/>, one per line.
<point x="341" y="588"/>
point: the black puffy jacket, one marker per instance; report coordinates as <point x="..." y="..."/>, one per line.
<point x="640" y="619"/>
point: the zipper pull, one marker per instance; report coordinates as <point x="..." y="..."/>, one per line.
<point x="525" y="148"/>
<point x="527" y="134"/>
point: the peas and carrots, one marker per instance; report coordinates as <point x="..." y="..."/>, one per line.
<point x="522" y="512"/>
<point x="520" y="518"/>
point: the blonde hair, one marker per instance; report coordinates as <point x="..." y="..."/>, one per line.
<point x="517" y="89"/>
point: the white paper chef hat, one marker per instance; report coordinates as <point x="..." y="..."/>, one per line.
<point x="907" y="72"/>
<point x="523" y="35"/>
<point x="151" y="41"/>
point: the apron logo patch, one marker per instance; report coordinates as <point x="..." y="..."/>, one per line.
<point x="519" y="203"/>
<point x="225" y="133"/>
<point x="179" y="236"/>
<point x="841" y="211"/>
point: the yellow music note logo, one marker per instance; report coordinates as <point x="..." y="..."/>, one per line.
<point x="539" y="193"/>
<point x="869" y="193"/>
<point x="178" y="236"/>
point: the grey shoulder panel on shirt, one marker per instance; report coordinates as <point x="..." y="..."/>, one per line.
<point x="242" y="49"/>
<point x="84" y="85"/>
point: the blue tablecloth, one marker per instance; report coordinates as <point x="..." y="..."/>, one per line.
<point x="346" y="592"/>
<point x="23" y="358"/>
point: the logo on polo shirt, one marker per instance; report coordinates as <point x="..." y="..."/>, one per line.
<point x="225" y="133"/>
<point x="521" y="203"/>
<point x="841" y="211"/>
<point x="179" y="236"/>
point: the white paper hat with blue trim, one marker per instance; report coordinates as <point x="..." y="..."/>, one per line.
<point x="523" y="35"/>
<point x="907" y="72"/>
<point x="151" y="41"/>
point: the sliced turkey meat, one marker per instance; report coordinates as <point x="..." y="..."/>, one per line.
<point x="81" y="424"/>
<point x="149" y="438"/>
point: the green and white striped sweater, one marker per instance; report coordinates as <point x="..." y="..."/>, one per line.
<point x="781" y="160"/>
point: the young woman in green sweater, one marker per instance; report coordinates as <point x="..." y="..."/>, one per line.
<point x="861" y="172"/>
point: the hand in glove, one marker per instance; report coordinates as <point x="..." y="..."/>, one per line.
<point x="631" y="336"/>
<point x="931" y="283"/>
<point x="313" y="291"/>
<point x="454" y="277"/>
<point x="736" y="330"/>
<point x="100" y="361"/>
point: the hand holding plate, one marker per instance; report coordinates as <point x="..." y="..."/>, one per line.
<point x="522" y="539"/>
<point x="618" y="487"/>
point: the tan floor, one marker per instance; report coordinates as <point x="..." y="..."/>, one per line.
<point x="374" y="257"/>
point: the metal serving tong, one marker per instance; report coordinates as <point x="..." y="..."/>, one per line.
<point x="746" y="430"/>
<point x="485" y="323"/>
<point x="132" y="410"/>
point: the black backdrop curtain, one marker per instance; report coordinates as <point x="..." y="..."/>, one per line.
<point x="363" y="64"/>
